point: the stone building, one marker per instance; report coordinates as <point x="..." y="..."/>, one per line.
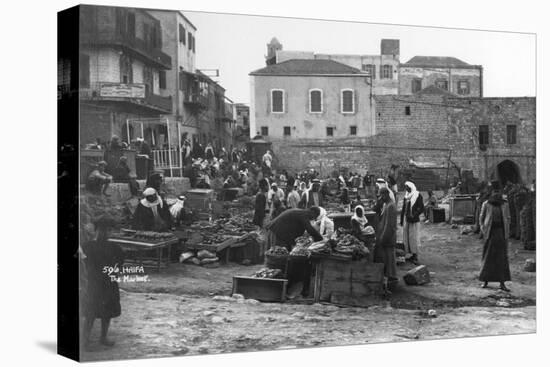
<point x="297" y="99"/>
<point x="447" y="73"/>
<point x="120" y="64"/>
<point x="382" y="68"/>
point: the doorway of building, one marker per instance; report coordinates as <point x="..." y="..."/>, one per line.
<point x="508" y="171"/>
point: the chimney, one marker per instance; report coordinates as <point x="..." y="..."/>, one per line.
<point x="389" y="47"/>
<point x="272" y="47"/>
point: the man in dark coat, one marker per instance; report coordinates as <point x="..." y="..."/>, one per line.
<point x="260" y="205"/>
<point x="291" y="224"/>
<point x="152" y="213"/>
<point x="101" y="297"/>
<point x="495" y="226"/>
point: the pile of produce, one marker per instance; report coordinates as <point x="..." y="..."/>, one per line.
<point x="202" y="257"/>
<point x="321" y="247"/>
<point x="269" y="273"/>
<point x="213" y="238"/>
<point x="349" y="245"/>
<point x="153" y="236"/>
<point x="277" y="251"/>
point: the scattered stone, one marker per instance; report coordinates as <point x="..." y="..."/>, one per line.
<point x="246" y="262"/>
<point x="432" y="313"/>
<point x="180" y="352"/>
<point x="224" y="299"/>
<point x="502" y="303"/>
<point x="237" y="296"/>
<point x="466" y="229"/>
<point x="299" y="315"/>
<point x="417" y="276"/>
<point x="208" y="313"/>
<point x="530" y="265"/>
<point x="270" y="319"/>
<point x="186" y="255"/>
<point x="252" y="301"/>
<point x="205" y="254"/>
<point x="194" y="260"/>
<point x="217" y="320"/>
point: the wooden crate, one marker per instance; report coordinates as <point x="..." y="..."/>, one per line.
<point x="261" y="289"/>
<point x="344" y="279"/>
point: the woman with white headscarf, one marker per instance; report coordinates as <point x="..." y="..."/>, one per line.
<point x="325" y="224"/>
<point x="152" y="213"/>
<point x="413" y="206"/>
<point x="358" y="221"/>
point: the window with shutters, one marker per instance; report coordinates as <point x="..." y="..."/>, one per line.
<point x="370" y="68"/>
<point x="84" y="71"/>
<point x="126" y="75"/>
<point x="511" y="134"/>
<point x="330" y="131"/>
<point x="286" y="130"/>
<point x="408" y="110"/>
<point x="347" y="101"/>
<point x="189" y="41"/>
<point x="131" y="25"/>
<point x="277" y="101"/>
<point x="264" y="131"/>
<point x="315" y="101"/>
<point x="416" y="85"/>
<point x="182" y="34"/>
<point x="162" y="79"/>
<point x="353" y="130"/>
<point x="442" y="84"/>
<point x="193" y="43"/>
<point x="387" y="72"/>
<point x="463" y="87"/>
<point x="483" y="135"/>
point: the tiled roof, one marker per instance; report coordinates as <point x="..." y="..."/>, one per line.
<point x="436" y="61"/>
<point x="307" y="67"/>
<point x="432" y="89"/>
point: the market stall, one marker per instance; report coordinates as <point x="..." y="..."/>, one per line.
<point x="145" y="248"/>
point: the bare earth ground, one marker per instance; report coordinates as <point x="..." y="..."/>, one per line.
<point x="174" y="314"/>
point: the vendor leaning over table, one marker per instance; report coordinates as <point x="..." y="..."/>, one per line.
<point x="291" y="224"/>
<point x="152" y="213"/>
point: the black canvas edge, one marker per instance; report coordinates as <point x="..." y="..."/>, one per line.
<point x="68" y="340"/>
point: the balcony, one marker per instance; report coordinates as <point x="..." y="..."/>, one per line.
<point x="135" y="94"/>
<point x="135" y="46"/>
<point x="195" y="100"/>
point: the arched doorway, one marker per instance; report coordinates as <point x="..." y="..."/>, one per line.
<point x="508" y="171"/>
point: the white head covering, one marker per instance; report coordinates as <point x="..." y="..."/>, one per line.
<point x="147" y="192"/>
<point x="362" y="220"/>
<point x="413" y="195"/>
<point x="380" y="182"/>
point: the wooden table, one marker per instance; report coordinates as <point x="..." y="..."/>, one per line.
<point x="139" y="247"/>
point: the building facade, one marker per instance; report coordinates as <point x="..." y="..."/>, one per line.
<point x="382" y="68"/>
<point x="120" y="64"/>
<point x="298" y="99"/>
<point x="447" y="73"/>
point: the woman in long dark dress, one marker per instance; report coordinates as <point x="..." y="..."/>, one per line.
<point x="102" y="297"/>
<point x="495" y="226"/>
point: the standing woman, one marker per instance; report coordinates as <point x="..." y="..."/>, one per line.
<point x="260" y="205"/>
<point x="413" y="206"/>
<point x="102" y="297"/>
<point x="494" y="221"/>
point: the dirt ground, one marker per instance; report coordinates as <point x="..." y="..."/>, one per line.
<point x="175" y="313"/>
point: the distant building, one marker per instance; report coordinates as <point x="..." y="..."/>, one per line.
<point x="447" y="73"/>
<point x="297" y="99"/>
<point x="382" y="68"/>
<point x="120" y="68"/>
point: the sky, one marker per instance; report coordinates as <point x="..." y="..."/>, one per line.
<point x="236" y="45"/>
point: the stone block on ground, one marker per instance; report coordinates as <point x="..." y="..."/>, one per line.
<point x="209" y="260"/>
<point x="186" y="256"/>
<point x="205" y="254"/>
<point x="417" y="276"/>
<point x="530" y="266"/>
<point x="457" y="220"/>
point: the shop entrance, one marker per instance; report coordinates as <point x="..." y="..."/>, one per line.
<point x="508" y="171"/>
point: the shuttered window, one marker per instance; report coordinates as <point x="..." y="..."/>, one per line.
<point x="286" y="130"/>
<point x="463" y="87"/>
<point x="277" y="101"/>
<point x="370" y="68"/>
<point x="182" y="34"/>
<point x="483" y="135"/>
<point x="189" y="40"/>
<point x="315" y="101"/>
<point x="511" y="134"/>
<point x="330" y="131"/>
<point x="162" y="79"/>
<point x="347" y="101"/>
<point x="264" y="131"/>
<point x="416" y="85"/>
<point x="387" y="72"/>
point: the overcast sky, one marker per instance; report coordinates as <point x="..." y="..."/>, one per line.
<point x="236" y="45"/>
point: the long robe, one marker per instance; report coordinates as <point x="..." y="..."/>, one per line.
<point x="495" y="265"/>
<point x="102" y="297"/>
<point x="386" y="240"/>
